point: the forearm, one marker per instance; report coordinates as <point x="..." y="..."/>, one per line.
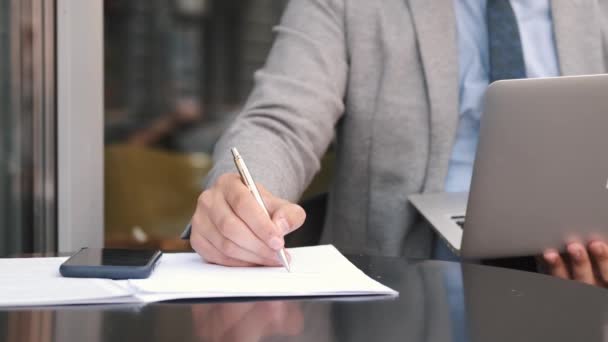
<point x="289" y="119"/>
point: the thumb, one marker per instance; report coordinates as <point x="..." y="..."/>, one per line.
<point x="288" y="216"/>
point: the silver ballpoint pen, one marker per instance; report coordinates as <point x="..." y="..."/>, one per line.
<point x="248" y="181"/>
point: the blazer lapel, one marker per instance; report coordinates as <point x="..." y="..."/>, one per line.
<point x="435" y="24"/>
<point x="577" y="36"/>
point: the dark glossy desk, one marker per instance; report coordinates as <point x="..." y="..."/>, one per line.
<point x="438" y="301"/>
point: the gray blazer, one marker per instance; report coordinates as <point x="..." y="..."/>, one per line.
<point x="382" y="76"/>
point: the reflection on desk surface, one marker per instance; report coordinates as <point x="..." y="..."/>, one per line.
<point x="439" y="301"/>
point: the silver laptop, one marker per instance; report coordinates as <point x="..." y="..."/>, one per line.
<point x="540" y="177"/>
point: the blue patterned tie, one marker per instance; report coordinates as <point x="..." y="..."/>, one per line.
<point x="506" y="54"/>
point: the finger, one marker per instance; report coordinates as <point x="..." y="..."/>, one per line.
<point x="212" y="255"/>
<point x="247" y="208"/>
<point x="599" y="253"/>
<point x="232" y="228"/>
<point x="234" y="251"/>
<point x="213" y="213"/>
<point x="555" y="264"/>
<point x="231" y="250"/>
<point x="582" y="269"/>
<point x="286" y="215"/>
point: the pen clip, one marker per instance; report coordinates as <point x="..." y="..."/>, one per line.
<point x="239" y="165"/>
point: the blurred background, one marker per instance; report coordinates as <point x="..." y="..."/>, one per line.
<point x="27" y="127"/>
<point x="177" y="72"/>
<point x="175" y="75"/>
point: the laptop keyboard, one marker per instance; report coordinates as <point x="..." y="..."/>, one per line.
<point x="459" y="221"/>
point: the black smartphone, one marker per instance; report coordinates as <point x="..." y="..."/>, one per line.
<point x="110" y="263"/>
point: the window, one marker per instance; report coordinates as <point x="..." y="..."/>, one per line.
<point x="27" y="149"/>
<point x="176" y="74"/>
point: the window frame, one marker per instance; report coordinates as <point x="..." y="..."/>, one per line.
<point x="80" y="167"/>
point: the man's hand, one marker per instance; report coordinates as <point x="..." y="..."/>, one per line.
<point x="230" y="228"/>
<point x="588" y="265"/>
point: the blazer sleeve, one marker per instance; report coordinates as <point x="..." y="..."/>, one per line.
<point x="289" y="119"/>
<point x="603" y="20"/>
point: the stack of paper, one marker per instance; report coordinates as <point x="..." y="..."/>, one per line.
<point x="36" y="281"/>
<point x="316" y="271"/>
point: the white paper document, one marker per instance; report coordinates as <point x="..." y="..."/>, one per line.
<point x="316" y="271"/>
<point x="36" y="281"/>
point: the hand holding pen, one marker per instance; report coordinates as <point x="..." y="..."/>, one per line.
<point x="247" y="179"/>
<point x="229" y="227"/>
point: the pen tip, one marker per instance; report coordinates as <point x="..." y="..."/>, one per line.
<point x="284" y="260"/>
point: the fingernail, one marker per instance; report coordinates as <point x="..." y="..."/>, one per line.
<point x="597" y="249"/>
<point x="576" y="252"/>
<point x="551" y="257"/>
<point x="276" y="243"/>
<point x="283" y="225"/>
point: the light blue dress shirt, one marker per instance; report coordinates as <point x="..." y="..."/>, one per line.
<point x="538" y="42"/>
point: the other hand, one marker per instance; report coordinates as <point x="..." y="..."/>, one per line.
<point x="587" y="264"/>
<point x="230" y="228"/>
